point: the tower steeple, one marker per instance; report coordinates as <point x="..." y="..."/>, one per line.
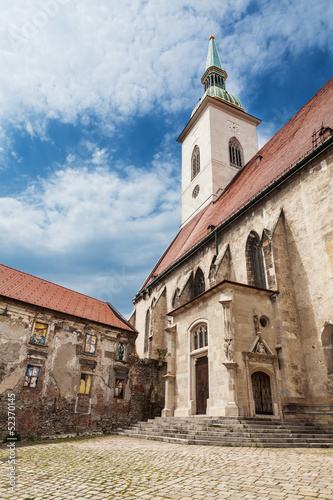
<point x="217" y="142"/>
<point x="214" y="79"/>
<point x="213" y="58"/>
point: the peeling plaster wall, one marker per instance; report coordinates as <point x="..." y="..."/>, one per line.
<point x="55" y="405"/>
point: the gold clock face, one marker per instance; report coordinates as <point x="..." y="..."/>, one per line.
<point x="233" y="127"/>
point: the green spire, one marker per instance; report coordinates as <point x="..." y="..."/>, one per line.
<point x="213" y="58"/>
<point x="214" y="80"/>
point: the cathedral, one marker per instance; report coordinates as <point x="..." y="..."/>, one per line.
<point x="240" y="303"/>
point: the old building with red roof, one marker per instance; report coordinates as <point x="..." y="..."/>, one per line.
<point x="242" y="298"/>
<point x="68" y="361"/>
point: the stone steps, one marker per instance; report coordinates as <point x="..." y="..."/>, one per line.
<point x="220" y="431"/>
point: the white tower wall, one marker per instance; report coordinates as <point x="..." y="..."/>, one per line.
<point x="215" y="124"/>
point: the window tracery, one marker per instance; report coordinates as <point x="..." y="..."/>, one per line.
<point x="235" y="153"/>
<point x="199" y="337"/>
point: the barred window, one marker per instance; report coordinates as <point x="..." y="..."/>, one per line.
<point x="195" y="161"/>
<point x="235" y="153"/>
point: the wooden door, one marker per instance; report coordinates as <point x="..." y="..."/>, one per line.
<point x="202" y="388"/>
<point x="261" y="386"/>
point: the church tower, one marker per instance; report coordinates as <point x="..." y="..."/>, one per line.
<point x="217" y="142"/>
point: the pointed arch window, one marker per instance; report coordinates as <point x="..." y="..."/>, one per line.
<point x="254" y="261"/>
<point x="235" y="153"/>
<point x="195" y="161"/>
<point x="199" y="337"/>
<point x="199" y="283"/>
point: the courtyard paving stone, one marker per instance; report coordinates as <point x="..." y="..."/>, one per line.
<point x="116" y="467"/>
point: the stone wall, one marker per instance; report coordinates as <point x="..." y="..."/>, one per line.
<point x="295" y="232"/>
<point x="55" y="405"/>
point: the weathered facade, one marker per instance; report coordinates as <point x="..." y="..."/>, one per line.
<point x="70" y="361"/>
<point x="242" y="298"/>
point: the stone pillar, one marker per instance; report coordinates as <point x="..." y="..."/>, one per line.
<point x="170" y="377"/>
<point x="231" y="409"/>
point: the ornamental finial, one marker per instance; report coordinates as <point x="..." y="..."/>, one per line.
<point x="211" y="36"/>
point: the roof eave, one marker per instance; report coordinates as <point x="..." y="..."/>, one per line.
<point x="107" y="325"/>
<point x="238" y="112"/>
<point x="212" y="289"/>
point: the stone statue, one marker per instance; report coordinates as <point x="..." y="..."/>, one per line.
<point x="121" y="352"/>
<point x="260" y="348"/>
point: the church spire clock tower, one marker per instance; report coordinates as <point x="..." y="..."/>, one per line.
<point x="217" y="142"/>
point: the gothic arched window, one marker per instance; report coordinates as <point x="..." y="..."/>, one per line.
<point x="255" y="261"/>
<point x="199" y="283"/>
<point x="195" y="161"/>
<point x="199" y="336"/>
<point x="235" y="153"/>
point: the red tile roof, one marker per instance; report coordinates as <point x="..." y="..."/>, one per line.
<point x="32" y="290"/>
<point x="283" y="151"/>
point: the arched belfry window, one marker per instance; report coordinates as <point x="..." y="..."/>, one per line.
<point x="235" y="153"/>
<point x="199" y="283"/>
<point x="195" y="161"/>
<point x="255" y="261"/>
<point x="199" y="337"/>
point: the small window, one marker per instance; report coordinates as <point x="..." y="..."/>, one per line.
<point x="31" y="377"/>
<point x="85" y="384"/>
<point x="90" y="344"/>
<point x="235" y="153"/>
<point x="200" y="337"/>
<point x="195" y="161"/>
<point x="39" y="334"/>
<point x="119" y="388"/>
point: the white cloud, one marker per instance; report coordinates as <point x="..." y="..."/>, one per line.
<point x="75" y="208"/>
<point x="67" y="58"/>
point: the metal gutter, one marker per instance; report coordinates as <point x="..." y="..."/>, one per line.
<point x="279" y="181"/>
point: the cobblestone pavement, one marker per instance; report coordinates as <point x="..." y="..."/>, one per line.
<point x="115" y="467"/>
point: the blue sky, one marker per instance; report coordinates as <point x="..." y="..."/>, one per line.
<point x="94" y="95"/>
